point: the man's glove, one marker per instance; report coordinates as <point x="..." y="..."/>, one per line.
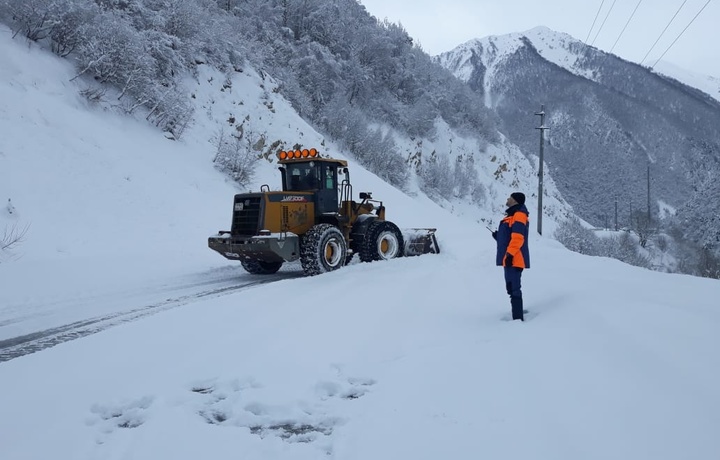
<point x="494" y="235"/>
<point x="508" y="260"/>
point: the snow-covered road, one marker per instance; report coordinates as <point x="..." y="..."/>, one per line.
<point x="132" y="305"/>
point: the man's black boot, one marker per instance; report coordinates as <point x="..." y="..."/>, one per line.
<point x="517" y="308"/>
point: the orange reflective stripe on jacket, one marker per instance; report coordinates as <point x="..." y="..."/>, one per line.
<point x="512" y="239"/>
<point x="517" y="239"/>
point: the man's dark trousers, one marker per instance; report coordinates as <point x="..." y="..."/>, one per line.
<point x="512" y="284"/>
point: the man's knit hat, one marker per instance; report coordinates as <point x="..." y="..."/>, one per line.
<point x="519" y="197"/>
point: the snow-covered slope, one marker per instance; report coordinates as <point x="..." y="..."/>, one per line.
<point x="705" y="83"/>
<point x="403" y="359"/>
<point x="88" y="192"/>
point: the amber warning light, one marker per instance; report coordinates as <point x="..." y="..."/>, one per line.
<point x="304" y="153"/>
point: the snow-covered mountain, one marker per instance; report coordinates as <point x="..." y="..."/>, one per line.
<point x="558" y="48"/>
<point x="609" y="120"/>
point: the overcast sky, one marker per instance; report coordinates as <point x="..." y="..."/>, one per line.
<point x="442" y="25"/>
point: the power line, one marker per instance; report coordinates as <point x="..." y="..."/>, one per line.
<point x="595" y="20"/>
<point x="663" y="32"/>
<point x="603" y="23"/>
<point x="681" y="33"/>
<point x="626" y="24"/>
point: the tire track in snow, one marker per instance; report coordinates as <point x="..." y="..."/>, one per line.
<point x="16" y="347"/>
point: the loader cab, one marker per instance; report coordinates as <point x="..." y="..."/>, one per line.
<point x="317" y="175"/>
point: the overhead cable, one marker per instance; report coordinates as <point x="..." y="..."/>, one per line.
<point x="603" y="23"/>
<point x="663" y="32"/>
<point x="594" y="21"/>
<point x="626" y="24"/>
<point x="681" y="33"/>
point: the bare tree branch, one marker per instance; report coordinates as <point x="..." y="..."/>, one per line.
<point x="13" y="236"/>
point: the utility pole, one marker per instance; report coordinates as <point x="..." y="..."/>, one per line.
<point x="542" y="129"/>
<point x="616" y="217"/>
<point x="648" y="192"/>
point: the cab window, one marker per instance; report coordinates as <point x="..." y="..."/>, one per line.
<point x="303" y="176"/>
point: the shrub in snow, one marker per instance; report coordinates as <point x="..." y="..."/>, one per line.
<point x="236" y="155"/>
<point x="10" y="238"/>
<point x="577" y="238"/>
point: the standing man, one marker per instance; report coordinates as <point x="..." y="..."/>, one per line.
<point x="512" y="249"/>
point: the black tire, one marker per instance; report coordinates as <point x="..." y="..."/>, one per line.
<point x="383" y="241"/>
<point x="259" y="267"/>
<point x="323" y="249"/>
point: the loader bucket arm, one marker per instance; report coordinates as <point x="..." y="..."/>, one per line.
<point x="419" y="241"/>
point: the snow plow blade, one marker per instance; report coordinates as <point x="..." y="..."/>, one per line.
<point x="419" y="241"/>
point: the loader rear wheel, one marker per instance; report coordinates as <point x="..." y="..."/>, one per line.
<point x="323" y="249"/>
<point x="259" y="267"/>
<point x="383" y="241"/>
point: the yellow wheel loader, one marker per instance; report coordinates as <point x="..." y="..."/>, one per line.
<point x="314" y="219"/>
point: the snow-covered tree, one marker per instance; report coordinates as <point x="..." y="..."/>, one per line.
<point x="574" y="236"/>
<point x="236" y="154"/>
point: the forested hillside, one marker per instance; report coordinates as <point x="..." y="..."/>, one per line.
<point x="343" y="70"/>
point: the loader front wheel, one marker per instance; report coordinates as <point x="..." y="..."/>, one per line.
<point x="323" y="249"/>
<point x="259" y="267"/>
<point x="383" y="241"/>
